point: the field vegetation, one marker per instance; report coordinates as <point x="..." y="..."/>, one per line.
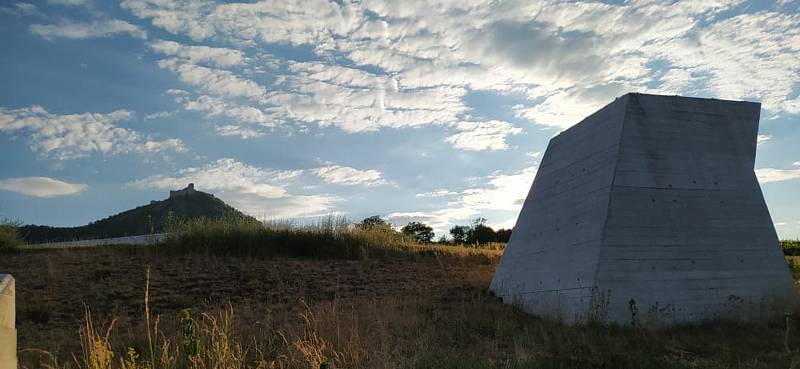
<point x="791" y="247"/>
<point x="9" y="235"/>
<point x="332" y="237"/>
<point x="234" y="293"/>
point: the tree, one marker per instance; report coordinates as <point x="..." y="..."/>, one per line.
<point x="374" y="222"/>
<point x="480" y="233"/>
<point x="503" y="235"/>
<point x="421" y="232"/>
<point x="459" y="234"/>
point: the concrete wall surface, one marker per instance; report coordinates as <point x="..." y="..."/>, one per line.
<point x="648" y="209"/>
<point x="8" y="332"/>
<point x="549" y="264"/>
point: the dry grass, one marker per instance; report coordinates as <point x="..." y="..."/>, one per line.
<point x="426" y="312"/>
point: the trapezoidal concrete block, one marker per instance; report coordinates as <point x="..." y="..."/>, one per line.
<point x="648" y="209"/>
<point x="8" y="331"/>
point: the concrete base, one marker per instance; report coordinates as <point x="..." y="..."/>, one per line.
<point x="648" y="210"/>
<point x="8" y="331"/>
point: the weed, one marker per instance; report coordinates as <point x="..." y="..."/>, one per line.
<point x="636" y="322"/>
<point x="191" y="344"/>
<point x="97" y="353"/>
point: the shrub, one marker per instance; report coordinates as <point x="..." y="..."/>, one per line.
<point x="791" y="247"/>
<point x="9" y="236"/>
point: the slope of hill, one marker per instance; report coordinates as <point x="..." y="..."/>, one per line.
<point x="146" y="219"/>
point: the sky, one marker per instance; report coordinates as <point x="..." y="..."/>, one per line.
<point x="432" y="111"/>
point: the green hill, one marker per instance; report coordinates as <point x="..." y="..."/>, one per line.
<point x="152" y="218"/>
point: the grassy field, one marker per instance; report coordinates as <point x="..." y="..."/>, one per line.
<point x="414" y="307"/>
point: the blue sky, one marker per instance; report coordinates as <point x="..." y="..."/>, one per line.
<point x="434" y="111"/>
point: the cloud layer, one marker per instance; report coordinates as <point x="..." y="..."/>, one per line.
<point x="769" y="175"/>
<point x="41" y="186"/>
<point x="566" y="58"/>
<point x="74" y="136"/>
<point x="501" y="192"/>
<point x="95" y="29"/>
<point x="342" y="175"/>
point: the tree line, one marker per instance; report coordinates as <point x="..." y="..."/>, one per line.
<point x="474" y="234"/>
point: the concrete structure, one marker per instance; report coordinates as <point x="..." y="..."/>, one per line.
<point x="647" y="210"/>
<point x="8" y="331"/>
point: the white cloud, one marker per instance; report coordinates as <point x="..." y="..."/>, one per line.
<point x="214" y="107"/>
<point x="306" y="22"/>
<point x="244" y="133"/>
<point x="347" y="176"/>
<point x="177" y="92"/>
<point x="501" y="192"/>
<point x="160" y="115"/>
<point x="796" y="164"/>
<point x="41" y="186"/>
<point x="358" y="101"/>
<point x="255" y="191"/>
<point x="22" y="9"/>
<point x="95" y="29"/>
<point x="78" y="135"/>
<point x="761" y="139"/>
<point x="217" y="56"/>
<point x="442" y="192"/>
<point x="562" y="109"/>
<point x="216" y="81"/>
<point x="69" y="2"/>
<point x="476" y="136"/>
<point x="769" y="175"/>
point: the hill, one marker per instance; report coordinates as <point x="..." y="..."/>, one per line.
<point x="152" y="218"/>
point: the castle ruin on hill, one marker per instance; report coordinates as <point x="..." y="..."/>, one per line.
<point x="183" y="192"/>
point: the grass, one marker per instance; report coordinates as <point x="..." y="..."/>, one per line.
<point x="237" y="294"/>
<point x="794" y="266"/>
<point x="329" y="238"/>
<point x="463" y="329"/>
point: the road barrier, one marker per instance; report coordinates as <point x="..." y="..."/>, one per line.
<point x="147" y="239"/>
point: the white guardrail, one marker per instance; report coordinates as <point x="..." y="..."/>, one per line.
<point x="147" y="239"/>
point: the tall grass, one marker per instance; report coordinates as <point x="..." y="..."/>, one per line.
<point x="332" y="237"/>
